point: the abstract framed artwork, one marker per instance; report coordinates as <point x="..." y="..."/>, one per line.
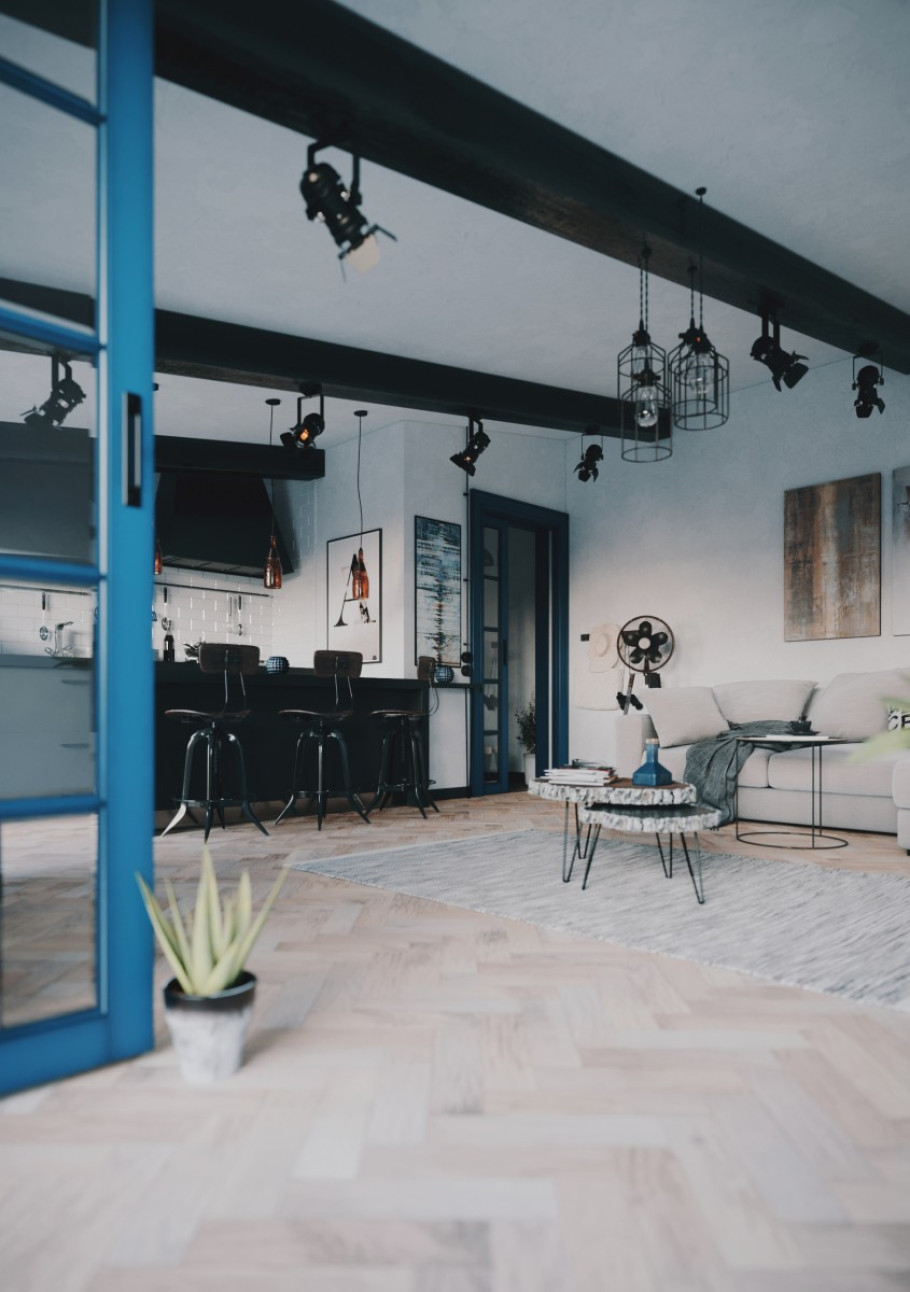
<point x="832" y="560"/>
<point x="354" y="594"/>
<point x="437" y="589"/>
<point x="900" y="551"/>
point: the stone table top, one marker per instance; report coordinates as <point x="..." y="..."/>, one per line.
<point x="620" y="793"/>
<point x="682" y="819"/>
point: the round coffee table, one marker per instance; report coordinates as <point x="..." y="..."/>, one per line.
<point x="646" y="818"/>
<point x="619" y="793"/>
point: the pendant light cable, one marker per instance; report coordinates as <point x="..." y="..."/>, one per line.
<point x="360" y="414"/>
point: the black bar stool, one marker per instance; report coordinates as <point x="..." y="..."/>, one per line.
<point x="321" y="727"/>
<point x="402" y="764"/>
<point x="213" y="731"/>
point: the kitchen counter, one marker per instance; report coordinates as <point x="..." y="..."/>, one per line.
<point x="268" y="741"/>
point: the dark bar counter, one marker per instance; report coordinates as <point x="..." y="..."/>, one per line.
<point x="268" y="741"/>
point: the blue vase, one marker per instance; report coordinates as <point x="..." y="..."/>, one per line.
<point x="651" y="771"/>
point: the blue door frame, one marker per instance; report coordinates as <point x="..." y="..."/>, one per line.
<point x="551" y="531"/>
<point x="123" y="343"/>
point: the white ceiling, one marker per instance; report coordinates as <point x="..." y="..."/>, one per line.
<point x="795" y="116"/>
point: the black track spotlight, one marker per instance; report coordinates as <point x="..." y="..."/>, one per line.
<point x="66" y="394"/>
<point x="328" y="199"/>
<point x="783" y="367"/>
<point x="306" y="429"/>
<point x="587" y="467"/>
<point x="864" y="383"/>
<point x="477" y="442"/>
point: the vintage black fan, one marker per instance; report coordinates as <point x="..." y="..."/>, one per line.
<point x="644" y="645"/>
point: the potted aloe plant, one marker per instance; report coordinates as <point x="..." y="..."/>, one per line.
<point x="526" y="718"/>
<point x="209" y="1001"/>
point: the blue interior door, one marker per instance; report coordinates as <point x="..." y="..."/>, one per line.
<point x="76" y="542"/>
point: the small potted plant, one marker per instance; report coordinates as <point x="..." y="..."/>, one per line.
<point x="209" y="1001"/>
<point x="526" y="717"/>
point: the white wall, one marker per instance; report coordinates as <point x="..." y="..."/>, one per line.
<point x="698" y="539"/>
<point x="405" y="472"/>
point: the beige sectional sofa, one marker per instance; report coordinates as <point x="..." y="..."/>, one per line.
<point x="873" y="795"/>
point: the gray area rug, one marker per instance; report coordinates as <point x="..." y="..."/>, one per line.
<point x="800" y="924"/>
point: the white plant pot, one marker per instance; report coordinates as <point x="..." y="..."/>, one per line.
<point x="209" y="1032"/>
<point x="530" y="768"/>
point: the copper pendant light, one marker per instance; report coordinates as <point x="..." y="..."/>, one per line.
<point x="360" y="579"/>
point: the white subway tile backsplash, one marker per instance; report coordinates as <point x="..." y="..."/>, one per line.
<point x="208" y="610"/>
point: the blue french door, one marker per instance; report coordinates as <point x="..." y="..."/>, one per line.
<point x="76" y="537"/>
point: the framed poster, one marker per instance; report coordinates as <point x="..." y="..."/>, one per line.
<point x="900" y="551"/>
<point x="832" y="560"/>
<point x="354" y="593"/>
<point x="437" y="590"/>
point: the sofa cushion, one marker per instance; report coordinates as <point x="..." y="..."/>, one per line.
<point x="757" y="701"/>
<point x="792" y="770"/>
<point x="854" y="706"/>
<point x="682" y="715"/>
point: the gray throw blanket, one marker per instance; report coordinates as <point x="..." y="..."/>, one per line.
<point x="712" y="766"/>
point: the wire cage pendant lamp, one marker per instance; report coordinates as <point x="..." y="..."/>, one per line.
<point x="699" y="376"/>
<point x="271" y="574"/>
<point x="641" y="382"/>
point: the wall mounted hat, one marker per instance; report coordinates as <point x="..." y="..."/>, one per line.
<point x="602" y="648"/>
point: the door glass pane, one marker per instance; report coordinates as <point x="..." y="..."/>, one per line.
<point x="55" y="39"/>
<point x="47" y="918"/>
<point x="47" y="210"/>
<point x="490" y="756"/>
<point x="47" y="690"/>
<point x="47" y="456"/>
<point x="491" y="553"/>
<point x="491" y="654"/>
<point x="491" y="603"/>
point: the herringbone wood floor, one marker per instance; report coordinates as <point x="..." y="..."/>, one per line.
<point x="436" y="1100"/>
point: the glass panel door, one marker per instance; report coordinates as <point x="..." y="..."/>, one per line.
<point x="491" y="726"/>
<point x="75" y="538"/>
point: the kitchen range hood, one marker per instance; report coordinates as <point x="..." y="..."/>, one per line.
<point x="217" y="520"/>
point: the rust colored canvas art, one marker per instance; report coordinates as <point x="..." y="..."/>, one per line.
<point x="832" y="560"/>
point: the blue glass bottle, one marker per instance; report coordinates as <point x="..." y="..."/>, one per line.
<point x="651" y="771"/>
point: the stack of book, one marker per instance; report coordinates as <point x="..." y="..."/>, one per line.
<point x="581" y="775"/>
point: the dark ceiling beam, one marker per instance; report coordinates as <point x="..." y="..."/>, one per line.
<point x="186" y="453"/>
<point x="189" y="346"/>
<point x="326" y="72"/>
<point x="215" y="351"/>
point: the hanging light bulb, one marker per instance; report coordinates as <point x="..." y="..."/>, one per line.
<point x="699" y="376"/>
<point x="642" y="387"/>
<point x="647" y="399"/>
<point x="159" y="562"/>
<point x="271" y="574"/>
